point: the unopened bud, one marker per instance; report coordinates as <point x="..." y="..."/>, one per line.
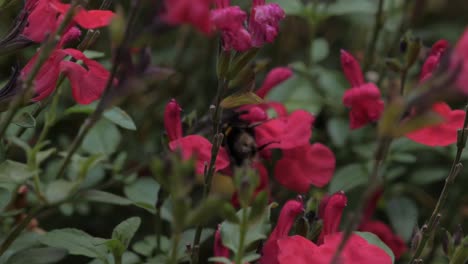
<point x="412" y="53"/>
<point x="222" y="67"/>
<point x="302" y="227"/>
<point x="446" y="242"/>
<point x="417" y="236"/>
<point x="458" y="236"/>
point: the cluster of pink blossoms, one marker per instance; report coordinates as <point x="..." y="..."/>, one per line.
<point x="43" y="18"/>
<point x="366" y="104"/>
<point x="229" y="20"/>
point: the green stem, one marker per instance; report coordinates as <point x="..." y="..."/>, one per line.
<point x="369" y="58"/>
<point x="242" y="233"/>
<point x="216" y="144"/>
<point x="175" y="246"/>
<point x="430" y="226"/>
<point x="16" y="231"/>
<point x="460" y="256"/>
<point x="117" y="258"/>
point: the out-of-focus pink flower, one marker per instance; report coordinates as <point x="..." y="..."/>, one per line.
<point x="46" y="15"/>
<point x="262" y="185"/>
<point x="172" y="121"/>
<point x="285" y="132"/>
<point x="280" y="248"/>
<point x="264" y="22"/>
<point x="219" y="249"/>
<point x="288" y="214"/>
<point x="460" y="56"/>
<point x="87" y="83"/>
<point x="297" y="249"/>
<point x="330" y="211"/>
<point x="275" y="77"/>
<point x="364" y="99"/>
<point x="303" y="166"/>
<point x="433" y="59"/>
<point x="198" y="147"/>
<point x="442" y="134"/>
<point x="194" y="12"/>
<point x="253" y="114"/>
<point x="230" y="21"/>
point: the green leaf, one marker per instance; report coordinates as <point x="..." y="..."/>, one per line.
<point x="338" y="129"/>
<point x="120" y="118"/>
<point x="37" y="256"/>
<point x="25" y="120"/>
<point x="255" y="231"/>
<point x="428" y="175"/>
<point x="103" y="138"/>
<point x="146" y="246"/>
<point x="348" y="178"/>
<point x="144" y="193"/>
<point x="237" y="100"/>
<point x="403" y="215"/>
<point x="58" y="190"/>
<point x="5" y="197"/>
<point x="82" y="109"/>
<point x="344" y="7"/>
<point x="93" y="54"/>
<point x="14" y="172"/>
<point x="220" y="260"/>
<point x="125" y="231"/>
<point x="320" y="49"/>
<point x="76" y="242"/>
<point x="290" y="7"/>
<point x="105" y="197"/>
<point x="375" y="240"/>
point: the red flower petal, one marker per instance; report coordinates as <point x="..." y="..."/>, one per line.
<point x="87" y="19"/>
<point x="304" y="166"/>
<point x="365" y="103"/>
<point x="274" y="78"/>
<point x="46" y="79"/>
<point x="351" y="69"/>
<point x="285" y="132"/>
<point x="194" y="12"/>
<point x="172" y="121"/>
<point x="230" y="21"/>
<point x="289" y="212"/>
<point x="200" y="148"/>
<point x="330" y="211"/>
<point x="442" y="134"/>
<point x="42" y="20"/>
<point x="87" y="84"/>
<point x="264" y="22"/>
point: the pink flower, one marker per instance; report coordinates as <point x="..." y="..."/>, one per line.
<point x="191" y="146"/>
<point x="288" y="214"/>
<point x="280" y="248"/>
<point x="433" y="59"/>
<point x="442" y="134"/>
<point x="230" y="21"/>
<point x="87" y="83"/>
<point x="275" y="77"/>
<point x="219" y="249"/>
<point x="460" y="56"/>
<point x="264" y="22"/>
<point x="299" y="250"/>
<point x="330" y="211"/>
<point x="285" y="132"/>
<point x="194" y="12"/>
<point x="45" y="16"/>
<point x="303" y="166"/>
<point x="364" y="99"/>
<point x="198" y="147"/>
<point x="172" y="121"/>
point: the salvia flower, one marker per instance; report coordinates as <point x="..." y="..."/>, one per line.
<point x="193" y="12"/>
<point x="445" y="132"/>
<point x="330" y="211"/>
<point x="264" y="22"/>
<point x="44" y="17"/>
<point x="281" y="248"/>
<point x="460" y="56"/>
<point x="87" y="83"/>
<point x="191" y="146"/>
<point x="364" y="99"/>
<point x="229" y="20"/>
